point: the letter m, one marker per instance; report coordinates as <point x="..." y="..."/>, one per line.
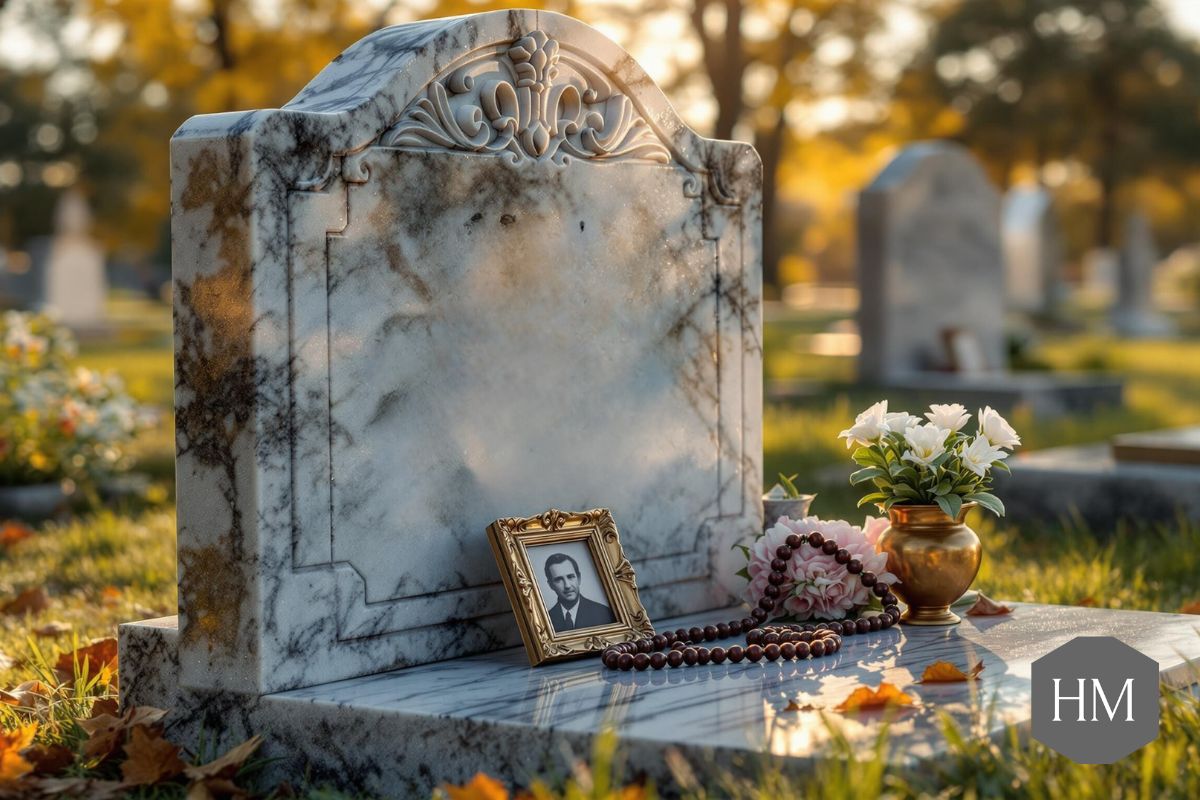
<point x="1098" y="697"/>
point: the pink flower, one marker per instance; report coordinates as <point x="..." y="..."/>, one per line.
<point x="817" y="586"/>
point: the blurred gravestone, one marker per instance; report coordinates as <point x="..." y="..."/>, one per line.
<point x="931" y="274"/>
<point x="1033" y="252"/>
<point x="931" y="267"/>
<point x="71" y="263"/>
<point x="1134" y="313"/>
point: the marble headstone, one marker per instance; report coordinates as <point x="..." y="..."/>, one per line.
<point x="1134" y="313"/>
<point x="1033" y="251"/>
<point x="477" y="268"/>
<point x="74" y="281"/>
<point x="930" y="266"/>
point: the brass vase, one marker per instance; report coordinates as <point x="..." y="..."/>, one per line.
<point x="935" y="557"/>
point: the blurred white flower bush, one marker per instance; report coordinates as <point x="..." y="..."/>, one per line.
<point x="912" y="461"/>
<point x="57" y="422"/>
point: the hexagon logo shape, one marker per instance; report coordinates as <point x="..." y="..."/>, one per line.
<point x="1095" y="699"/>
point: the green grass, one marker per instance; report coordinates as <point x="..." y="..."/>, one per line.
<point x="109" y="567"/>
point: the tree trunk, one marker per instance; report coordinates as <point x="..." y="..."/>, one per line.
<point x="770" y="145"/>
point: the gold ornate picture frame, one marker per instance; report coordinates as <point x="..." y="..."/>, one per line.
<point x="533" y="551"/>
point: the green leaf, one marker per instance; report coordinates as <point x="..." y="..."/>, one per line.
<point x="745" y="550"/>
<point x="872" y="498"/>
<point x="945" y="505"/>
<point x="942" y="459"/>
<point x="942" y="488"/>
<point x="882" y="483"/>
<point x="988" y="501"/>
<point x="908" y="474"/>
<point x="903" y="490"/>
<point x="891" y="501"/>
<point x="1000" y="465"/>
<point x="744" y="572"/>
<point x="866" y="474"/>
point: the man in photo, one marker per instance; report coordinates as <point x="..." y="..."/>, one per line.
<point x="572" y="610"/>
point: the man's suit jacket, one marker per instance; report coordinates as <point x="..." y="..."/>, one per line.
<point x="588" y="613"/>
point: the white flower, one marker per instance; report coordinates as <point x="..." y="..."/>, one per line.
<point x="980" y="454"/>
<point x="996" y="429"/>
<point x="900" y="421"/>
<point x="925" y="442"/>
<point x="951" y="417"/>
<point x="868" y="426"/>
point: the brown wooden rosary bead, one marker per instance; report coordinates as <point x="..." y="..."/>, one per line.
<point x="703" y="654"/>
<point x="681" y="634"/>
<point x="723" y="631"/>
<point x="794" y="540"/>
<point x="880" y="589"/>
<point x="889" y="599"/>
<point x="867" y="579"/>
<point x="802" y="650"/>
<point x="816" y="539"/>
<point x="610" y="658"/>
<point x="771" y="591"/>
<point x="641" y="661"/>
<point x="841" y="556"/>
<point x="643" y="645"/>
<point x="770" y="638"/>
<point x="862" y="625"/>
<point x="675" y="658"/>
<point x="776" y="579"/>
<point x="658" y="660"/>
<point x="778" y="565"/>
<point x="829" y="547"/>
<point x="690" y="655"/>
<point x="854" y="566"/>
<point x="625" y="662"/>
<point x="710" y="632"/>
<point x="873" y="622"/>
<point x="735" y="627"/>
<point x="771" y="652"/>
<point x="759" y="614"/>
<point x="660" y="641"/>
<point x="767" y="604"/>
<point x="787" y="650"/>
<point x="717" y="654"/>
<point x="817" y="648"/>
<point x="735" y="654"/>
<point x="755" y="636"/>
<point x="754" y="653"/>
<point x="696" y="634"/>
<point x="783" y="551"/>
<point x="749" y="623"/>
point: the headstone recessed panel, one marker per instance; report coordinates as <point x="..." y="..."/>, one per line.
<point x="478" y="268"/>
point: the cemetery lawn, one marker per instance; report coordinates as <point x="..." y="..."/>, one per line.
<point x="106" y="567"/>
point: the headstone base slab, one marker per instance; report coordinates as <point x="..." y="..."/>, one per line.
<point x="402" y="733"/>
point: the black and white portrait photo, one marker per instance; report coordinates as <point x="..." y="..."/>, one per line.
<point x="570" y="586"/>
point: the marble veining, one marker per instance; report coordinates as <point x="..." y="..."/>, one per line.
<point x="522" y="722"/>
<point x="477" y="268"/>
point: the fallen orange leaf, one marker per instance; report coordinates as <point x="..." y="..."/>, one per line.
<point x="12" y="532"/>
<point x="945" y="672"/>
<point x="48" y="759"/>
<point x="987" y="607"/>
<point x="481" y="787"/>
<point x="106" y="732"/>
<point x="30" y="601"/>
<point x="110" y="595"/>
<point x="149" y="758"/>
<point x="12" y="764"/>
<point x="29" y="694"/>
<point x="1086" y="602"/>
<point x="865" y="698"/>
<point x="227" y="765"/>
<point x="52" y="628"/>
<point x="105" y="705"/>
<point x="97" y="658"/>
<point x="1190" y="608"/>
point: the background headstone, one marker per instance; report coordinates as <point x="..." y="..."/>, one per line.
<point x="930" y="265"/>
<point x="477" y="268"/>
<point x="74" y="282"/>
<point x="1033" y="252"/>
<point x="1134" y="313"/>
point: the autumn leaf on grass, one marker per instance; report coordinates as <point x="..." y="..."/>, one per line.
<point x="90" y="788"/>
<point x="110" y="595"/>
<point x="30" y="694"/>
<point x="481" y="787"/>
<point x="149" y="758"/>
<point x="105" y="705"/>
<point x="97" y="658"/>
<point x="12" y="532"/>
<point x="865" y="698"/>
<point x="215" y="779"/>
<point x="106" y="732"/>
<point x="12" y="764"/>
<point x="52" y="628"/>
<point x="49" y="759"/>
<point x="30" y="601"/>
<point x="945" y="672"/>
<point x="987" y="607"/>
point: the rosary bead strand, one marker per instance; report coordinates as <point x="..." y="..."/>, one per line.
<point x="770" y="642"/>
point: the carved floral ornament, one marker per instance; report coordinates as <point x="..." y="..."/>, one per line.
<point x="522" y="103"/>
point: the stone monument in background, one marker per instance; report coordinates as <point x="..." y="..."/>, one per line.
<point x="931" y="273"/>
<point x="74" y="282"/>
<point x="1033" y="253"/>
<point x="1134" y="314"/>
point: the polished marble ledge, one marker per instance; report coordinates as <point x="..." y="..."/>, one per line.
<point x="742" y="707"/>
